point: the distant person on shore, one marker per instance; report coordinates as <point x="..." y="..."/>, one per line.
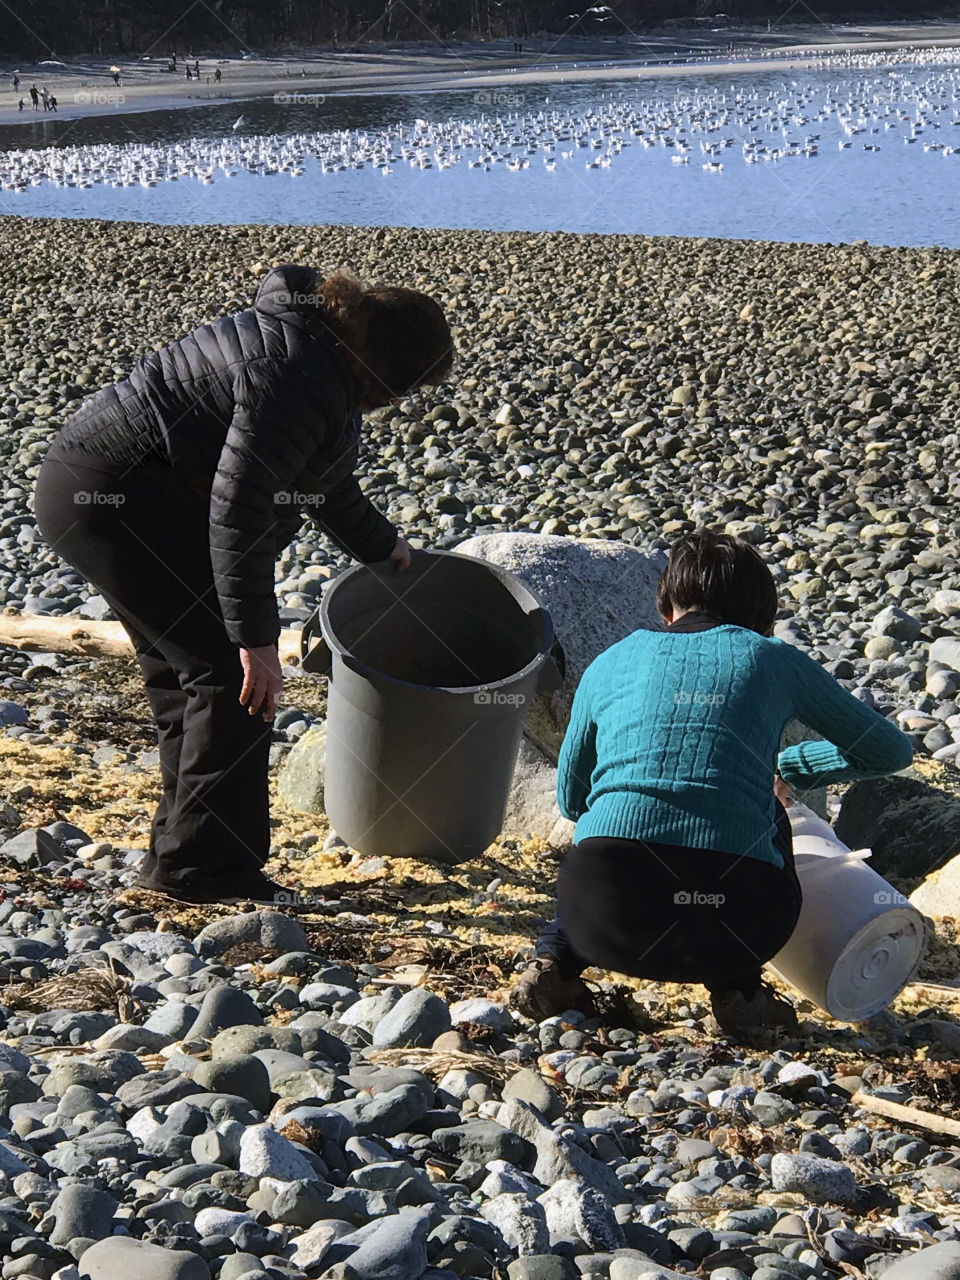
<point x="188" y="71"/>
<point x="45" y="98"/>
<point x="35" y="97"/>
<point x="682" y="870"/>
<point x="217" y="75"/>
<point x="116" y="78"/>
<point x="20" y="105"/>
<point x="53" y="102"/>
<point x="16" y="83"/>
<point x="176" y="506"/>
<point x="196" y="68"/>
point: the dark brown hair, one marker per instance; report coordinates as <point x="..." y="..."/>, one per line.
<point x="395" y="338"/>
<point x="720" y="575"/>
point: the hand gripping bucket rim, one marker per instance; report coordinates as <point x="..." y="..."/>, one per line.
<point x="318" y="659"/>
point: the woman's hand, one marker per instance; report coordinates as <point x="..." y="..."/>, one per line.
<point x="399" y="557"/>
<point x="262" y="680"/>
<point x="783" y="791"/>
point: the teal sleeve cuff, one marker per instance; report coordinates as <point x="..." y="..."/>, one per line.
<point x="819" y="764"/>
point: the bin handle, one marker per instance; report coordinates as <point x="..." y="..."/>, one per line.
<point x="842" y="855"/>
<point x="317" y="660"/>
<point x="553" y="671"/>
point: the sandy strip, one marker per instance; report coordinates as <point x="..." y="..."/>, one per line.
<point x="90" y="91"/>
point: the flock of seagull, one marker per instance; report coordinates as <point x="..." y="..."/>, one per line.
<point x="919" y="106"/>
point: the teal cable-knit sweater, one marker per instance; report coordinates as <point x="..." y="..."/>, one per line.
<point x="674" y="738"/>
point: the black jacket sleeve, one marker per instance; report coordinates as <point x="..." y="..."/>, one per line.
<point x="274" y="429"/>
<point x="351" y="519"/>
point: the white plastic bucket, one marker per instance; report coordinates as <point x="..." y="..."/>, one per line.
<point x="858" y="940"/>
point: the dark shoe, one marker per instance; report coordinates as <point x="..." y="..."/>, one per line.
<point x="542" y="993"/>
<point x="742" y="1017"/>
<point x="253" y="887"/>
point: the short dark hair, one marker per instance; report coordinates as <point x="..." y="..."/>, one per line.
<point x="720" y="575"/>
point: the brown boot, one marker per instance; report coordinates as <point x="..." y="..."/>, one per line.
<point x="742" y="1017"/>
<point x="542" y="993"/>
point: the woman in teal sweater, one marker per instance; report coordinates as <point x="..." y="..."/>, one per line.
<point x="683" y="868"/>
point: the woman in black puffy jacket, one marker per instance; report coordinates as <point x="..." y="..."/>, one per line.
<point x="174" y="491"/>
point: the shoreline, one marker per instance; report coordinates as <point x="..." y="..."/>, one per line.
<point x="91" y="94"/>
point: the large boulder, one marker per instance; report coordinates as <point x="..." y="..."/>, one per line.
<point x="596" y="592"/>
<point x="532" y="803"/>
<point x="912" y="828"/>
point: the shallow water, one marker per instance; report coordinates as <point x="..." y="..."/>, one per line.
<point x="899" y="194"/>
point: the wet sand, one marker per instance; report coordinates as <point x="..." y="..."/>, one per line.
<point x="85" y="88"/>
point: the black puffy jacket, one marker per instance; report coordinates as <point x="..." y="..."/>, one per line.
<point x="258" y="413"/>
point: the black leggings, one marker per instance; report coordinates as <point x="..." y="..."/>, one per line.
<point x="673" y="914"/>
<point x="140" y="536"/>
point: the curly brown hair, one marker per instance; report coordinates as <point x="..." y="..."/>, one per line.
<point x="395" y="339"/>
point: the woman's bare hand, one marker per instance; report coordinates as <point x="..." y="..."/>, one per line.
<point x="262" y="680"/>
<point x="399" y="557"/>
<point x="783" y="791"/>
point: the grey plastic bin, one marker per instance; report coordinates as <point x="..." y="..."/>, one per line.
<point x="431" y="672"/>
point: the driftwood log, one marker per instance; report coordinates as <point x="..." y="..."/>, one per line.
<point x="97" y="639"/>
<point x="929" y="1121"/>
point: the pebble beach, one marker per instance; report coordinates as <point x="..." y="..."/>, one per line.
<point x="804" y="397"/>
<point x="337" y="1088"/>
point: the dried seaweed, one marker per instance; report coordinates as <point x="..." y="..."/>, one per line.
<point x="85" y="989"/>
<point x="312" y="1139"/>
<point x="936" y="1080"/>
<point x="437" y="1062"/>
